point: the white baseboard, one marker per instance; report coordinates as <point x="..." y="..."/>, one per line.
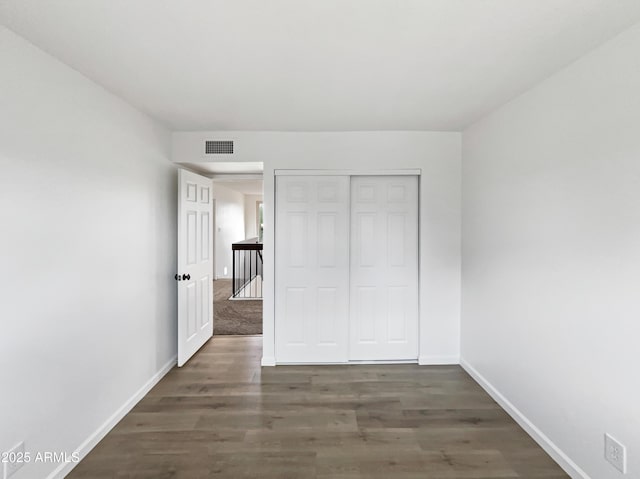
<point x="438" y="360"/>
<point x="91" y="442"/>
<point x="541" y="438"/>
<point x="422" y="361"/>
<point x="346" y="363"/>
<point x="268" y="361"/>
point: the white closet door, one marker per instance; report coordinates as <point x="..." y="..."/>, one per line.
<point x="384" y="268"/>
<point x="312" y="269"/>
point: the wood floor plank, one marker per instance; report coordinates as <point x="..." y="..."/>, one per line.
<point x="223" y="416"/>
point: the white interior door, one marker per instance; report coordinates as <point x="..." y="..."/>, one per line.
<point x="312" y="269"/>
<point x="195" y="263"/>
<point x="384" y="268"/>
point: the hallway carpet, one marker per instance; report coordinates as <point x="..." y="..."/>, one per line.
<point x="234" y="317"/>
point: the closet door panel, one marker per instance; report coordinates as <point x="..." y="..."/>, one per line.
<point x="312" y="269"/>
<point x="384" y="268"/>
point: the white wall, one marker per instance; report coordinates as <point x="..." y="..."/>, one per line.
<point x="88" y="215"/>
<point x="551" y="255"/>
<point x="229" y="226"/>
<point x="250" y="215"/>
<point x="437" y="154"/>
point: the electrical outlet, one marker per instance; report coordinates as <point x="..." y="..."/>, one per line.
<point x="615" y="453"/>
<point x="13" y="460"/>
<point x="225" y="270"/>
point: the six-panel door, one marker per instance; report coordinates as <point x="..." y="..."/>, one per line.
<point x="384" y="268"/>
<point x="195" y="263"/>
<point x="312" y="269"/>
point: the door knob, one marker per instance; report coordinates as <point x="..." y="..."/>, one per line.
<point x="186" y="276"/>
<point x="177" y="277"/>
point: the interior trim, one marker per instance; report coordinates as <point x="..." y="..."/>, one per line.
<point x="94" y="438"/>
<point x="398" y="172"/>
<point x="557" y="454"/>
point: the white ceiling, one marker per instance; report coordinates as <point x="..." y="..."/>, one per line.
<point x="246" y="187"/>
<point x="228" y="167"/>
<point x="318" y="65"/>
<point x="242" y="176"/>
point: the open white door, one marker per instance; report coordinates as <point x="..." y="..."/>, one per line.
<point x="195" y="263"/>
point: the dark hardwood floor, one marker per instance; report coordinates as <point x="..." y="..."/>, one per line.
<point x="222" y="415"/>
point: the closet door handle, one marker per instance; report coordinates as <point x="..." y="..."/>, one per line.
<point x="186" y="277"/>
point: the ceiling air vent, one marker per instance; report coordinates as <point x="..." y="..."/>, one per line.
<point x="216" y="147"/>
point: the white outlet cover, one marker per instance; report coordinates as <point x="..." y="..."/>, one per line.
<point x="615" y="453"/>
<point x="11" y="468"/>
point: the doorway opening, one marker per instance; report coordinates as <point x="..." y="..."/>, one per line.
<point x="238" y="254"/>
<point x="237" y="288"/>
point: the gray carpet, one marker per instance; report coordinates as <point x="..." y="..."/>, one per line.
<point x="234" y="317"/>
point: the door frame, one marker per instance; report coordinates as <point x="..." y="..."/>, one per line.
<point x="316" y="172"/>
<point x="213" y="238"/>
<point x="353" y="172"/>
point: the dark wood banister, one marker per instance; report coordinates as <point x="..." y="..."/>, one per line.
<point x="240" y="278"/>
